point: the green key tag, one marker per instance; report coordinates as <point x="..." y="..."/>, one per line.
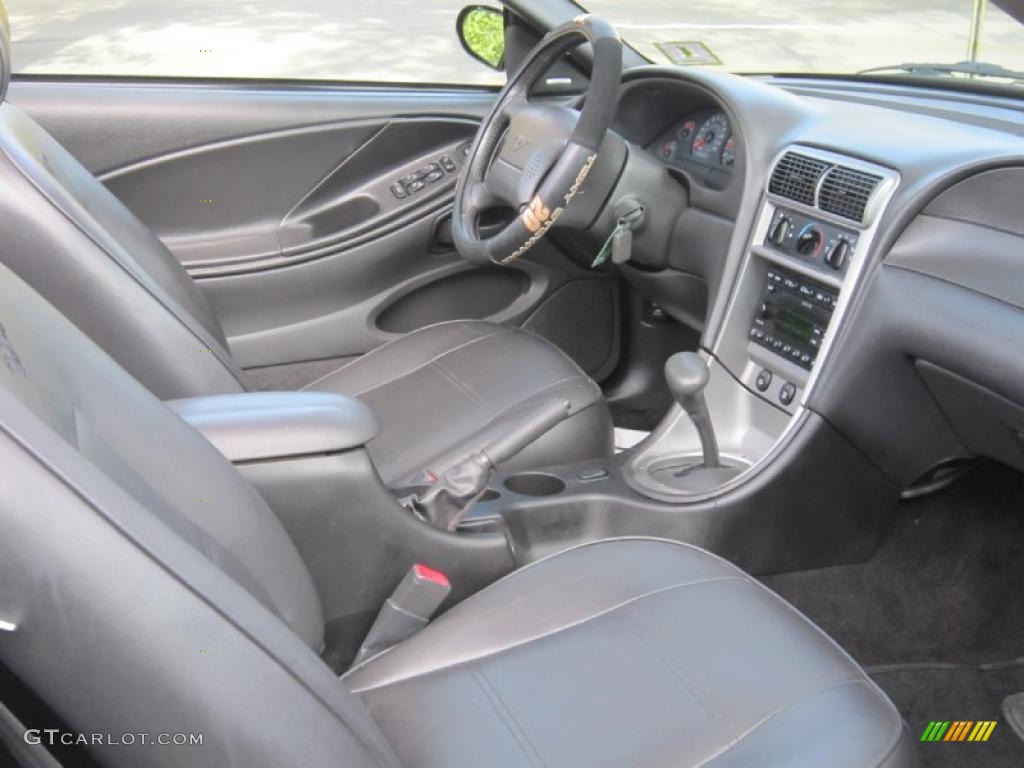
<point x="606" y="250"/>
<point x="619" y="245"/>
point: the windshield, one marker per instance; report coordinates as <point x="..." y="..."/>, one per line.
<point x="810" y="36"/>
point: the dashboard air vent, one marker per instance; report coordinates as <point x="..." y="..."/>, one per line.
<point x="795" y="177"/>
<point x="845" y="192"/>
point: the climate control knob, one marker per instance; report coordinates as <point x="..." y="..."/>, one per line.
<point x="809" y="241"/>
<point x="777" y="234"/>
<point x="837" y="255"/>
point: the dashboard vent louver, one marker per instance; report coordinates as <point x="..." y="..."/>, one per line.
<point x="796" y="176"/>
<point x="845" y="192"/>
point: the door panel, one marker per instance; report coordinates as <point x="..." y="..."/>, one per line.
<point x="272" y="199"/>
<point x="113" y="123"/>
<point x="223" y="203"/>
<point x="278" y="200"/>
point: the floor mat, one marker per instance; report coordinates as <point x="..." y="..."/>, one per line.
<point x="947" y="692"/>
<point x="943" y="587"/>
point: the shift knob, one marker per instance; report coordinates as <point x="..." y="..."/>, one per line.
<point x="686" y="374"/>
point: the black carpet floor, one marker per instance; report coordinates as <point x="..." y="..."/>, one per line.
<point x="936" y="615"/>
<point x="926" y="692"/>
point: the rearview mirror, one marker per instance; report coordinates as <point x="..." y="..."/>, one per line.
<point x="482" y="34"/>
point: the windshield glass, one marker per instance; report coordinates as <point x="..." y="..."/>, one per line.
<point x="810" y="36"/>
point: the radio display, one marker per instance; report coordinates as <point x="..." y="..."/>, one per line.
<point x="795" y="325"/>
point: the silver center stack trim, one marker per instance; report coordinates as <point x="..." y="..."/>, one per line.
<point x="753" y="426"/>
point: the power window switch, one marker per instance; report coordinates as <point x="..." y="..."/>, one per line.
<point x="398" y="190"/>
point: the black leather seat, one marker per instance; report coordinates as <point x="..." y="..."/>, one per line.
<point x="461" y="383"/>
<point x="630" y="652"/>
<point x="129" y="605"/>
<point x="439" y="393"/>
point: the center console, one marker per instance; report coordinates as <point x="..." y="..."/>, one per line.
<point x="801" y="267"/>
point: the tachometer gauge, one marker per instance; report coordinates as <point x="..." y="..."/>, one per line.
<point x="667" y="150"/>
<point x="710" y="138"/>
<point x="729" y="152"/>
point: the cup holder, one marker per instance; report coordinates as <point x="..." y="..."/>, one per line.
<point x="535" y="484"/>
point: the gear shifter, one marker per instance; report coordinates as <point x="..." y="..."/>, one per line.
<point x="687" y="374"/>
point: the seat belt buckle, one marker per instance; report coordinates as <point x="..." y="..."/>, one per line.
<point x="409" y="608"/>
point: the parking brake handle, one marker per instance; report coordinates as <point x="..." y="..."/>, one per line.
<point x="445" y="503"/>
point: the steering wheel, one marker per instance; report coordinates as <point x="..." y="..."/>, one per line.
<point x="531" y="157"/>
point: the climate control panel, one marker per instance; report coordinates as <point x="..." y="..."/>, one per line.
<point x="811" y="240"/>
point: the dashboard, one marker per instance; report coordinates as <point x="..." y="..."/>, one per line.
<point x="858" y="246"/>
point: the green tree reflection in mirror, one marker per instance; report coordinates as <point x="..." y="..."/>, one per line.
<point x="484" y="32"/>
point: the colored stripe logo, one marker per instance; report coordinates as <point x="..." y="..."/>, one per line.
<point x="958" y="730"/>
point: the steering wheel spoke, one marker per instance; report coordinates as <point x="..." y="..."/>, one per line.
<point x="480" y="197"/>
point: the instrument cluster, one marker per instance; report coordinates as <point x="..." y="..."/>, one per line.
<point x="703" y="138"/>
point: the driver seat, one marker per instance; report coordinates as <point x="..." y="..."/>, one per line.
<point x="439" y="392"/>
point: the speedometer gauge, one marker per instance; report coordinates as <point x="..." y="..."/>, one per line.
<point x="710" y="138"/>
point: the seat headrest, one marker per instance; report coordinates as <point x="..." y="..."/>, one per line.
<point x="5" y="51"/>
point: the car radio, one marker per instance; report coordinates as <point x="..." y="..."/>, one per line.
<point x="793" y="316"/>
